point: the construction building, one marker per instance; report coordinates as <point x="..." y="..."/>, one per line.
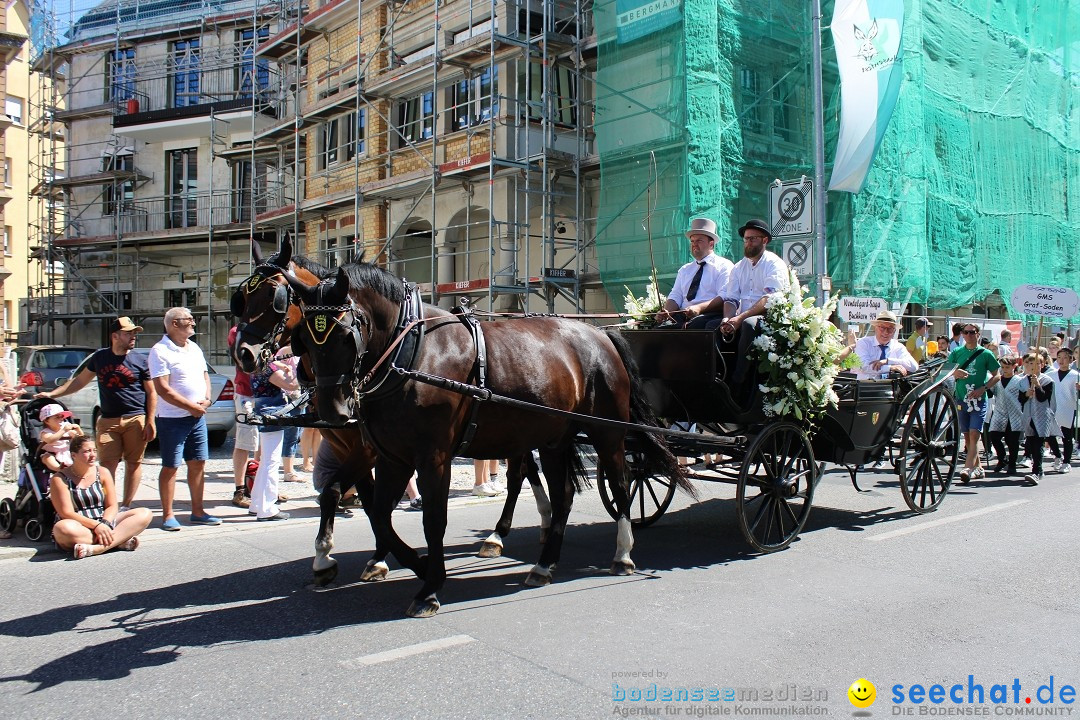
<point x="533" y="154"/>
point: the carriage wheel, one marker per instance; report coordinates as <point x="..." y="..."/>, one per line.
<point x="650" y="495"/>
<point x="8" y="517"/>
<point x="776" y="486"/>
<point x="928" y="451"/>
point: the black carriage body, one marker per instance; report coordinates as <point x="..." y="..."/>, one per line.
<point x="865" y="419"/>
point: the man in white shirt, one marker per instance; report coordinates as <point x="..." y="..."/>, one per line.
<point x="1004" y="348"/>
<point x="698" y="281"/>
<point x="881" y="353"/>
<point x="178" y="369"/>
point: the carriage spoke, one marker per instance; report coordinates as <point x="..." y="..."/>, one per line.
<point x="779" y="517"/>
<point x="760" y="514"/>
<point x="790" y="513"/>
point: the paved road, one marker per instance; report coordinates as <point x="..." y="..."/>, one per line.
<point x="219" y="622"/>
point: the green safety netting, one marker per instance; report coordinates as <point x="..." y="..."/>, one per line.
<point x="700" y="104"/>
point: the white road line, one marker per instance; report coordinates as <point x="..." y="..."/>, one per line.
<point x="410" y="650"/>
<point x="944" y="521"/>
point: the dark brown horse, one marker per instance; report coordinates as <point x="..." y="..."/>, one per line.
<point x="266" y="317"/>
<point x="565" y="365"/>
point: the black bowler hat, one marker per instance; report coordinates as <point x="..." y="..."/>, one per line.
<point x="756" y="224"/>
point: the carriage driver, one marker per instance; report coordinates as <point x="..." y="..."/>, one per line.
<point x="698" y="281"/>
<point x="881" y="353"/>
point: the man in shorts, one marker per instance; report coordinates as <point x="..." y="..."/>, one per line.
<point x="128" y="404"/>
<point x="178" y="368"/>
<point x="976" y="372"/>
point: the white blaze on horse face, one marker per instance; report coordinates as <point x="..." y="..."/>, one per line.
<point x="625" y="542"/>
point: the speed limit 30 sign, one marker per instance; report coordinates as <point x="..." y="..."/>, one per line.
<point x="791" y="207"/>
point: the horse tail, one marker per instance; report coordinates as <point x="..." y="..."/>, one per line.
<point x="659" y="460"/>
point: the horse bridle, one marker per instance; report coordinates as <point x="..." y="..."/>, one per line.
<point x="283" y="297"/>
<point x="321" y="320"/>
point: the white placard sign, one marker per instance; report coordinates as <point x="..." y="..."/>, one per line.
<point x="1045" y="301"/>
<point x="860" y="309"/>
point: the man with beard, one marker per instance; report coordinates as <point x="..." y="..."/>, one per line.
<point x="128" y="403"/>
<point x="758" y="275"/>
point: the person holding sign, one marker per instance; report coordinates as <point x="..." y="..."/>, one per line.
<point x="881" y="354"/>
<point x="976" y="373"/>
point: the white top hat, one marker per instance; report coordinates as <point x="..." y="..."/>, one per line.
<point x="703" y="226"/>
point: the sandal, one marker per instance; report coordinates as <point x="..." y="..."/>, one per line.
<point x="83" y="550"/>
<point x="129" y="545"/>
<point x="292" y="477"/>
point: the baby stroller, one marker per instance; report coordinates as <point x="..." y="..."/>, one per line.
<point x="31" y="504"/>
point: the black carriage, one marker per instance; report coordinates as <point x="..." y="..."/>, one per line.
<point x="909" y="422"/>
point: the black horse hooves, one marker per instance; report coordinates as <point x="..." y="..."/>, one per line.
<point x="326" y="576"/>
<point x="374" y="572"/>
<point x="423" y="608"/>
<point x="490" y="550"/>
<point x="622" y="568"/>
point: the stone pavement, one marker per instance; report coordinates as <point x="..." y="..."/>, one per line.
<point x="217" y="496"/>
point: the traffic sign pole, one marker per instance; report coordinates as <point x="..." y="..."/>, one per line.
<point x="821" y="269"/>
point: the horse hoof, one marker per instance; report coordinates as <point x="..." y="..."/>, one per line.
<point x="374" y="572"/>
<point x="490" y="550"/>
<point x="622" y="568"/>
<point x="326" y="576"/>
<point x="423" y="608"/>
<point x="535" y="579"/>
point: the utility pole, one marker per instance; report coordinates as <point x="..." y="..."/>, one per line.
<point x="821" y="268"/>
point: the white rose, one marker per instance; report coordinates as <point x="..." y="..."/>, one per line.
<point x="773" y="357"/>
<point x="792" y="376"/>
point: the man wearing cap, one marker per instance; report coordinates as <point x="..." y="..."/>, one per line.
<point x="881" y="353"/>
<point x="916" y="342"/>
<point x="698" y="281"/>
<point x="128" y="402"/>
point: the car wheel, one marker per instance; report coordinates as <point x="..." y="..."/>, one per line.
<point x="216" y="438"/>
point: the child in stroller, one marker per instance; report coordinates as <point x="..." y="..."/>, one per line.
<point x="31" y="504"/>
<point x="56" y="437"/>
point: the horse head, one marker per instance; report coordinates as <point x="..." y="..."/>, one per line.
<point x="342" y="321"/>
<point x="264" y="308"/>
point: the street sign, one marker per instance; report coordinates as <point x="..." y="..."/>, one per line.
<point x="1045" y="301"/>
<point x="799" y="256"/>
<point x="791" y="206"/>
<point x="860" y="309"/>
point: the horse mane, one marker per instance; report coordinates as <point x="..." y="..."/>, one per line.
<point x="317" y="269"/>
<point x="366" y="275"/>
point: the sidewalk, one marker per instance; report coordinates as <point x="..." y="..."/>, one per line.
<point x="217" y="498"/>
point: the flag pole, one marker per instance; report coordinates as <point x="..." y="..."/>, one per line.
<point x="821" y="268"/>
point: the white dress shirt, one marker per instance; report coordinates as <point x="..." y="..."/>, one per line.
<point x="751" y="281"/>
<point x="714" y="279"/>
<point x="869" y="350"/>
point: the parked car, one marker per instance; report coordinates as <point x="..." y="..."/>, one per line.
<point x="220" y="417"/>
<point x="45" y="367"/>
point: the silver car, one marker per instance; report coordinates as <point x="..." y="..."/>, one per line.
<point x="220" y="417"/>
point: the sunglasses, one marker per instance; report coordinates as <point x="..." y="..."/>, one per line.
<point x="970" y="332"/>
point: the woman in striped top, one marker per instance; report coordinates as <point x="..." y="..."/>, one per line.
<point x="84" y="497"/>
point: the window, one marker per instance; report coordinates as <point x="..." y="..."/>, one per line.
<point x="328" y="144"/>
<point x="7" y="240"/>
<point x="185" y="74"/>
<point x="180" y="297"/>
<point x="7" y="172"/>
<point x="8" y="314"/>
<point x="751" y="110"/>
<point x="473" y="100"/>
<point x="563" y="91"/>
<point x="13" y="108"/>
<point x="246" y="188"/>
<point x="183" y="166"/>
<point x="416" y="118"/>
<point x="120" y="75"/>
<point x="119" y="189"/>
<point x="354" y="127"/>
<point x="118" y="300"/>
<point x="251" y="73"/>
<point x="338" y="251"/>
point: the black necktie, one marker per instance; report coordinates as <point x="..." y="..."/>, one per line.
<point x="691" y="293"/>
<point x="884" y="351"/>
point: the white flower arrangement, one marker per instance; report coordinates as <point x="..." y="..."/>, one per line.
<point x="795" y="353"/>
<point x="642" y="310"/>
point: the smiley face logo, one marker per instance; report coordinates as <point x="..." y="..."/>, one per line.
<point x="862" y="693"/>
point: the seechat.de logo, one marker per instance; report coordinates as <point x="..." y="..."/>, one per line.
<point x="862" y="693"/>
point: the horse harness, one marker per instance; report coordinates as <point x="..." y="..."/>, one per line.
<point x="280" y="304"/>
<point x="464" y="311"/>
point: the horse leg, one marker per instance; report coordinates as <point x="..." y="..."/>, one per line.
<point x="390" y="482"/>
<point x="376" y="568"/>
<point x="493" y="545"/>
<point x="543" y="503"/>
<point x="557" y="469"/>
<point x="613" y="464"/>
<point x="434" y="483"/>
<point x="324" y="566"/>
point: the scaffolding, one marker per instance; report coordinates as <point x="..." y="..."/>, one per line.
<point x="450" y="143"/>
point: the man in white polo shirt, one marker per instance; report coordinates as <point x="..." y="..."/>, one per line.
<point x="178" y="369"/>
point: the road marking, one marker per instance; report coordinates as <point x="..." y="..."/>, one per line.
<point x="410" y="650"/>
<point x="945" y="520"/>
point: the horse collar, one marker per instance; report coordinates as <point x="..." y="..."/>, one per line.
<point x="410" y="321"/>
